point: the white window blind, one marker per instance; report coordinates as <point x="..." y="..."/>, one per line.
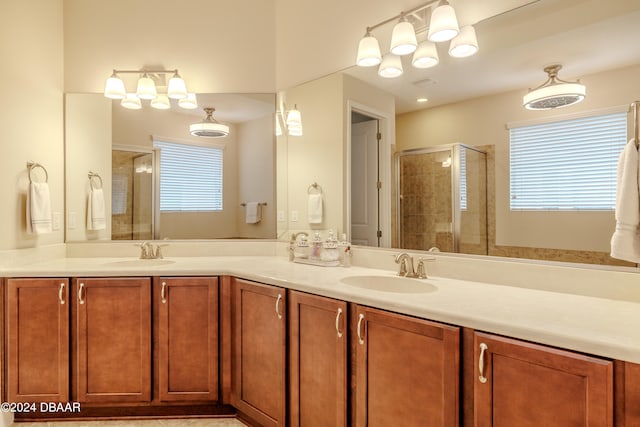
<point x="190" y="177"/>
<point x="567" y="165"/>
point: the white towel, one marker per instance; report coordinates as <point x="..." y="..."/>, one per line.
<point x="96" y="219"/>
<point x="38" y="208"/>
<point x="625" y="242"/>
<point x="314" y="208"/>
<point x="253" y="213"/>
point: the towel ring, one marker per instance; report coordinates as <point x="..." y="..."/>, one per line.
<point x="259" y="204"/>
<point x="314" y="189"/>
<point x="92" y="175"/>
<point x="32" y="165"/>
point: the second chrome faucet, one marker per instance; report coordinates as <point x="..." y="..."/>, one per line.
<point x="406" y="269"/>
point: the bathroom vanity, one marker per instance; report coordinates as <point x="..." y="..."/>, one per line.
<point x="281" y="343"/>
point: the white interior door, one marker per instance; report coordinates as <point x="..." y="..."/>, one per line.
<point x="364" y="184"/>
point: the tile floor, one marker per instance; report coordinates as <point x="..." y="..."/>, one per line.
<point x="200" y="422"/>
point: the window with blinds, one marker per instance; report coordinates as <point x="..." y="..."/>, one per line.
<point x="190" y="177"/>
<point x="567" y="165"/>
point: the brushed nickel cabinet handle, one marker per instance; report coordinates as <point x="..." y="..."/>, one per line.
<point x="483" y="350"/>
<point x="278" y="306"/>
<point x="163" y="293"/>
<point x="61" y="294"/>
<point x="80" y="294"/>
<point x="360" y="338"/>
<point x="338" y="323"/>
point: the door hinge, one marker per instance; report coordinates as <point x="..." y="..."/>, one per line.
<point x="378" y="136"/>
<point x="379" y="185"/>
<point x="379" y="233"/>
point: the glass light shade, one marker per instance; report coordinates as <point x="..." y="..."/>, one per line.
<point x="294" y="118"/>
<point x="161" y="102"/>
<point x="426" y="55"/>
<point x="390" y="67"/>
<point x="443" y="25"/>
<point x="554" y="96"/>
<point x="177" y="88"/>
<point x="295" y="131"/>
<point x="465" y="43"/>
<point x="368" y="52"/>
<point x="209" y="129"/>
<point x="189" y="103"/>
<point x="114" y="88"/>
<point x="403" y="39"/>
<point x="131" y="101"/>
<point x="146" y="88"/>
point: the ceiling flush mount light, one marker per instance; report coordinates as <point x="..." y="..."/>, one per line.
<point x="437" y="20"/>
<point x="403" y="38"/>
<point x="209" y="127"/>
<point x="151" y="87"/>
<point x="554" y="93"/>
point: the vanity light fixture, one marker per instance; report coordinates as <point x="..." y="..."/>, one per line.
<point x="554" y="93"/>
<point x="289" y="120"/>
<point x="209" y="127"/>
<point x="147" y="89"/>
<point x="131" y="102"/>
<point x="190" y="102"/>
<point x="437" y="19"/>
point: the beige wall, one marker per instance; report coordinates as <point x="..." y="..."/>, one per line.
<point x="31" y="115"/>
<point x="218" y="46"/>
<point x="482" y="121"/>
<point x="256" y="176"/>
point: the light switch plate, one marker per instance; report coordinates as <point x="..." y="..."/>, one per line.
<point x="294" y="216"/>
<point x="281" y="216"/>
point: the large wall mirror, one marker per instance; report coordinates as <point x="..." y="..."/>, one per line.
<point x="119" y="147"/>
<point x="472" y="102"/>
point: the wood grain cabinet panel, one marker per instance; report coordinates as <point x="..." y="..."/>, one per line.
<point x="259" y="355"/>
<point x="317" y="361"/>
<point x="407" y="370"/>
<point x="113" y="339"/>
<point x="187" y="338"/>
<point x="37" y="340"/>
<point x="522" y="384"/>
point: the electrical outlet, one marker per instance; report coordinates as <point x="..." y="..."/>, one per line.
<point x="281" y="216"/>
<point x="294" y="216"/>
<point x="72" y="221"/>
<point x="56" y="221"/>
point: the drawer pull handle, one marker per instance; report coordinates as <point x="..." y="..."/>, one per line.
<point x="360" y="338"/>
<point x="61" y="294"/>
<point x="338" y="323"/>
<point x="163" y="293"/>
<point x="81" y="294"/>
<point x="278" y="306"/>
<point x="483" y="350"/>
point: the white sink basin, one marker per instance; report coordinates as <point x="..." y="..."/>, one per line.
<point x="140" y="263"/>
<point x="394" y="284"/>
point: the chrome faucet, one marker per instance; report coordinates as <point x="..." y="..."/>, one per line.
<point x="406" y="265"/>
<point x="147" y="251"/>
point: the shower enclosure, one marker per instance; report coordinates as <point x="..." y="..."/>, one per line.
<point x="442" y="199"/>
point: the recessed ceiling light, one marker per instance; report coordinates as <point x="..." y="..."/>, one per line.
<point x="421" y="100"/>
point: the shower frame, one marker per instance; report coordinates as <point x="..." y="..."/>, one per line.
<point x="456" y="217"/>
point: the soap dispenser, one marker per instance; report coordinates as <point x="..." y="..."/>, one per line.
<point x="330" y="252"/>
<point x="316" y="246"/>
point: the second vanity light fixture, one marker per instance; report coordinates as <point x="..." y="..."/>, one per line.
<point x="146" y="89"/>
<point x="443" y="26"/>
<point x="290" y="120"/>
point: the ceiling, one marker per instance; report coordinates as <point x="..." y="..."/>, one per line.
<point x="234" y="107"/>
<point x="517" y="40"/>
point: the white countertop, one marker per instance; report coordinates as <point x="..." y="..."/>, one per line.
<point x="595" y="325"/>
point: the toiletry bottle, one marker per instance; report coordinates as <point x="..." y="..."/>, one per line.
<point x="344" y="250"/>
<point x="301" y="250"/>
<point x="316" y="246"/>
<point x="330" y="252"/>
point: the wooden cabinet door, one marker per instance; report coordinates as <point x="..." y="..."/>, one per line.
<point x="523" y="384"/>
<point x="37" y="340"/>
<point x="188" y="338"/>
<point x="407" y="370"/>
<point x="113" y="339"/>
<point x="317" y="361"/>
<point x="259" y="352"/>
